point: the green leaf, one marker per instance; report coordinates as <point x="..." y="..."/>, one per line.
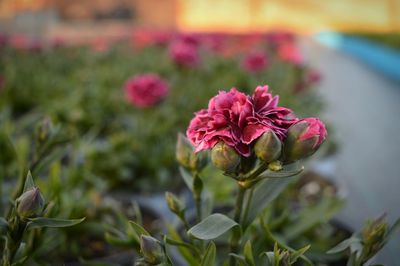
<point x="28" y="182"/>
<point x="240" y="260"/>
<point x="248" y="253"/>
<point x="177" y="243"/>
<point x="41" y="222"/>
<point x="138" y="229"/>
<point x="212" y="227"/>
<point x="187" y="178"/>
<point x="121" y="241"/>
<point x="209" y="256"/>
<point x="265" y="192"/>
<point x="185" y="252"/>
<point x="281" y="174"/>
<point x="295" y="255"/>
<point x="280" y="244"/>
<point x="270" y="257"/>
<point x="309" y="217"/>
<point x="345" y="244"/>
<point x="392" y="229"/>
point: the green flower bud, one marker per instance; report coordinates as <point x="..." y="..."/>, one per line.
<point x="268" y="147"/>
<point x="174" y="204"/>
<point x="303" y="139"/>
<point x="151" y="249"/>
<point x="374" y="235"/>
<point x="30" y="203"/>
<point x="225" y="157"/>
<point x="186" y="156"/>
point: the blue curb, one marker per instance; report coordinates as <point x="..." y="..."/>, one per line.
<point x="383" y="59"/>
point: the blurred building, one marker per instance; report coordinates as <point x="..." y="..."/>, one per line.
<point x="206" y="15"/>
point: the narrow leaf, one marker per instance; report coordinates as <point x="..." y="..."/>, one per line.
<point x="393" y="229"/>
<point x="209" y="256"/>
<point x="312" y="216"/>
<point x="41" y="222"/>
<point x="185" y="252"/>
<point x="345" y="244"/>
<point x="138" y="229"/>
<point x="281" y="174"/>
<point x="28" y="182"/>
<point x="248" y="253"/>
<point x="187" y="178"/>
<point x="263" y="194"/>
<point x="240" y="260"/>
<point x="212" y="227"/>
<point x="295" y="255"/>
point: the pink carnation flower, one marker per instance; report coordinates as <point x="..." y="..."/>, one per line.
<point x="146" y="90"/>
<point x="255" y="61"/>
<point x="184" y="54"/>
<point x="238" y="119"/>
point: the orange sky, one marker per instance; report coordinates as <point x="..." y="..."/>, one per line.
<point x="299" y="15"/>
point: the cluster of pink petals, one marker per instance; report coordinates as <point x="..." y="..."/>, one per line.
<point x="146" y="90"/>
<point x="255" y="61"/>
<point x="238" y="119"/>
<point x="184" y="54"/>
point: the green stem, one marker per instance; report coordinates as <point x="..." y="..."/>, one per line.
<point x="14" y="240"/>
<point x="197" y="190"/>
<point x="247" y="207"/>
<point x="257" y="172"/>
<point x="199" y="214"/>
<point x="234" y="243"/>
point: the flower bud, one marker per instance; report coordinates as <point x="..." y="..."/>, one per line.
<point x="30" y="203"/>
<point x="174" y="204"/>
<point x="268" y="147"/>
<point x="374" y="234"/>
<point x="151" y="249"/>
<point x="186" y="156"/>
<point x="225" y="157"/>
<point x="303" y="139"/>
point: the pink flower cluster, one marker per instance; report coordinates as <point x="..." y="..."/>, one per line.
<point x="184" y="53"/>
<point x="146" y="90"/>
<point x="290" y="53"/>
<point x="255" y="61"/>
<point x="238" y="119"/>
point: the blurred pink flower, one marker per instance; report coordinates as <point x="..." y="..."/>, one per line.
<point x="19" y="42"/>
<point x="100" y="45"/>
<point x="184" y="54"/>
<point x="313" y="76"/>
<point x="190" y="38"/>
<point x="4" y="39"/>
<point x="238" y="119"/>
<point x="36" y="46"/>
<point x="290" y="53"/>
<point x="146" y="90"/>
<point x="255" y="61"/>
<point x="276" y="38"/>
<point x="58" y="42"/>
